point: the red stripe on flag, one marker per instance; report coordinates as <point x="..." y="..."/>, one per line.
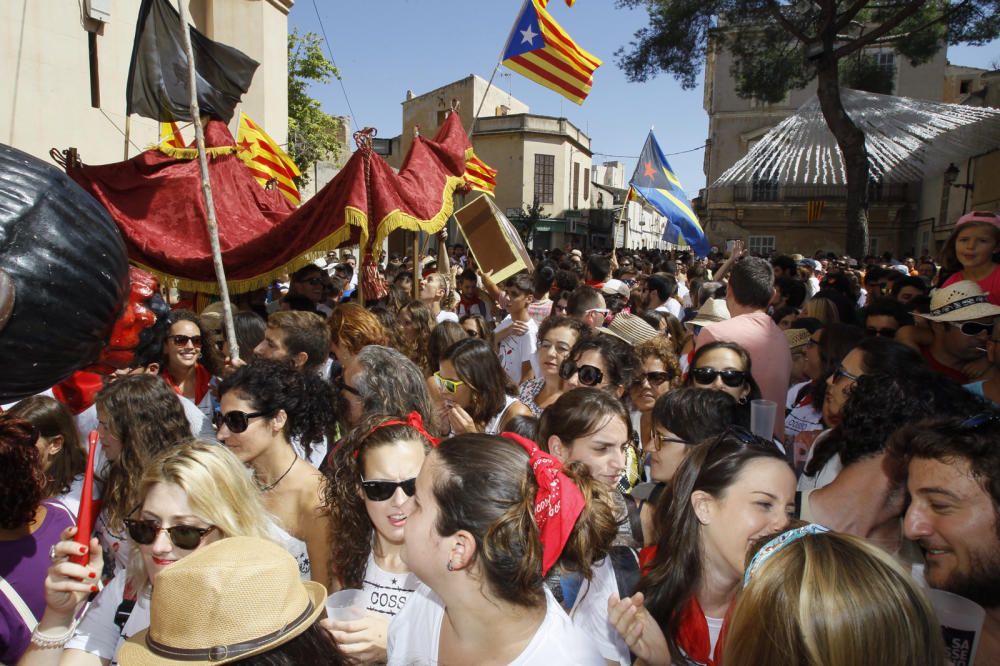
<point x="562" y="66"/>
<point x="548" y="76"/>
<point x="567" y="45"/>
<point x="260" y="175"/>
<point x="280" y="169"/>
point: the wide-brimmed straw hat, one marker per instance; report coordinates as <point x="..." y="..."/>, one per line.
<point x="711" y="311"/>
<point x="226" y="601"/>
<point x="631" y="328"/>
<point x="797" y="338"/>
<point x="960" y="301"/>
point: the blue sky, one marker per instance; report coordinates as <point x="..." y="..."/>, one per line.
<point x="386" y="47"/>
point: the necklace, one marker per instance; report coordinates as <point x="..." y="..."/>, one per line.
<point x="271" y="486"/>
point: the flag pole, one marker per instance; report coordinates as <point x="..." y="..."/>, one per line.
<point x="510" y="35"/>
<point x="128" y="130"/>
<point x="621" y="216"/>
<point x="206" y="187"/>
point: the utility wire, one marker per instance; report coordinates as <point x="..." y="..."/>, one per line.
<point x="340" y="78"/>
<point x="635" y="157"/>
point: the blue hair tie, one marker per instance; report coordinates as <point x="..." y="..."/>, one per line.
<point x="777" y="543"/>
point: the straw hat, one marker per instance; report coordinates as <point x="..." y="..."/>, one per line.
<point x="226" y="601"/>
<point x="630" y="328"/>
<point x="797" y="338"/>
<point x="711" y="311"/>
<point x="960" y="301"/>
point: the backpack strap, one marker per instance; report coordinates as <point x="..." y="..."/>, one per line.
<point x="634" y="519"/>
<point x="19" y="604"/>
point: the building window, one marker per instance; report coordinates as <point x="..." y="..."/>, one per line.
<point x="545" y="175"/>
<point x="576" y="185"/>
<point x="873" y="246"/>
<point x="761" y="245"/>
<point x="764" y="189"/>
<point x="586" y="186"/>
<point x="964" y="86"/>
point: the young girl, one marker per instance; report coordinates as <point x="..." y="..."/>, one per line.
<point x="264" y="406"/>
<point x="482" y="551"/>
<point x="591" y="426"/>
<point x="365" y="496"/>
<point x="971" y="252"/>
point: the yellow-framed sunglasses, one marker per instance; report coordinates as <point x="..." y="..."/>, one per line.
<point x="449" y="385"/>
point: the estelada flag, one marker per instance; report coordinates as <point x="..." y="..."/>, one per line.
<point x="543" y="3"/>
<point x="540" y="49"/>
<point x="814" y="209"/>
<point x="266" y="160"/>
<point x="480" y="176"/>
<point x="157" y="84"/>
<point x="170" y="135"/>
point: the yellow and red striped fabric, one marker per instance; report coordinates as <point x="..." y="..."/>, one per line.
<point x="170" y="135"/>
<point x="266" y="160"/>
<point x="542" y="51"/>
<point x="480" y="176"/>
<point x="543" y="3"/>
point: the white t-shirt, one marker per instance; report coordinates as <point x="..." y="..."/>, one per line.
<point x="71" y="499"/>
<point x="201" y="426"/>
<point x="415" y="632"/>
<point x="447" y="315"/>
<point x="590" y="613"/>
<point x="673" y="306"/>
<point x="516" y="349"/>
<point x="97" y="633"/>
<point x="386" y="592"/>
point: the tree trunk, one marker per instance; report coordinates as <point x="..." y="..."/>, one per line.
<point x="851" y="140"/>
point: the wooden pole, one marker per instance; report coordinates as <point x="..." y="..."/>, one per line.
<point x="206" y="188"/>
<point x="416" y="265"/>
<point x="128" y="131"/>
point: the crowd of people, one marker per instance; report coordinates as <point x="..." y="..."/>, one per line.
<point x="556" y="469"/>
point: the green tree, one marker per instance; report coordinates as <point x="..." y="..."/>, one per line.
<point x="778" y="45"/>
<point x="312" y="134"/>
<point x="529" y="219"/>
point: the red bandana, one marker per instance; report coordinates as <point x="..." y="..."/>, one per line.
<point x="558" y="502"/>
<point x="413" y="420"/>
<point x="693" y="636"/>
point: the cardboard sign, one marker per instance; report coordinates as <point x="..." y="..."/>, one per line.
<point x="492" y="239"/>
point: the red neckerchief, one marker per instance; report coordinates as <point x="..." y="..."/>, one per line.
<point x="469" y="304"/>
<point x="595" y="284"/>
<point x="693" y="637"/>
<point x="202" y="379"/>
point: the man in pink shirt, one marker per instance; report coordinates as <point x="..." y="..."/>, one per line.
<point x="751" y="286"/>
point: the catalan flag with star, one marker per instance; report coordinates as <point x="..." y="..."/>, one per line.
<point x="480" y="176"/>
<point x="655" y="181"/>
<point x="541" y="50"/>
<point x="266" y="160"/>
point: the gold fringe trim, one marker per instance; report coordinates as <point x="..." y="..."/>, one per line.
<point x="192" y="153"/>
<point x="400" y="220"/>
<point x="353" y="218"/>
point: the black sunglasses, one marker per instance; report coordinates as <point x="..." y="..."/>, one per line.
<point x="182" y="340"/>
<point x="655" y="378"/>
<point x="748" y="438"/>
<point x="238" y="421"/>
<point x="587" y="374"/>
<point x="185" y="537"/>
<point x="731" y="378"/>
<point x="379" y="491"/>
<point x="315" y="282"/>
<point x="979" y="420"/>
<point x="880" y="332"/>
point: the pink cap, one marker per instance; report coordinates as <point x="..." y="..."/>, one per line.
<point x="979" y="216"/>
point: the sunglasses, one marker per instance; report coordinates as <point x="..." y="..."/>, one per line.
<point x="658" y="440"/>
<point x="880" y="332"/>
<point x="974" y="328"/>
<point x="449" y="385"/>
<point x="380" y="491"/>
<point x="840" y="372"/>
<point x="238" y="421"/>
<point x="182" y="340"/>
<point x="471" y="333"/>
<point x="588" y="375"/>
<point x="655" y="378"/>
<point x="185" y="537"/>
<point x="747" y="438"/>
<point x="731" y="378"/>
<point x="315" y="282"/>
<point x="602" y="311"/>
<point x="979" y="420"/>
<point x="344" y="386"/>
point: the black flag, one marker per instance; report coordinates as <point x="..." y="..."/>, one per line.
<point x="158" y="74"/>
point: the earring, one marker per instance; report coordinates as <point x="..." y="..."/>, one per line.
<point x="451" y="567"/>
<point x="199" y="355"/>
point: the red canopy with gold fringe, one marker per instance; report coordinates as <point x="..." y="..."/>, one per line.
<point x="155" y="199"/>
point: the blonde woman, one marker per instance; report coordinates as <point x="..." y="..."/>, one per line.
<point x="190" y="495"/>
<point x="435" y="293"/>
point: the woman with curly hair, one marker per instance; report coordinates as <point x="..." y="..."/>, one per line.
<point x="658" y="373"/>
<point x="265" y="407"/>
<point x="138" y="417"/>
<point x="29" y="526"/>
<point x="190" y="359"/>
<point x="351" y="328"/>
<point x="365" y="495"/>
<point x="189" y="496"/>
<point x="62" y="458"/>
<point x="415" y="324"/>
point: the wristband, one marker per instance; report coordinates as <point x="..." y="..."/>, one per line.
<point x="47" y="642"/>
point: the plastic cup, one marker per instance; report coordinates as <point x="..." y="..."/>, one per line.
<point x="346" y="605"/>
<point x="762" y="414"/>
<point x="961" y="623"/>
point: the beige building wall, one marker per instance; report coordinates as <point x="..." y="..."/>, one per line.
<point x="45" y="79"/>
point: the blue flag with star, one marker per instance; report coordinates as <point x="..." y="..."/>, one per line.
<point x="655" y="182"/>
